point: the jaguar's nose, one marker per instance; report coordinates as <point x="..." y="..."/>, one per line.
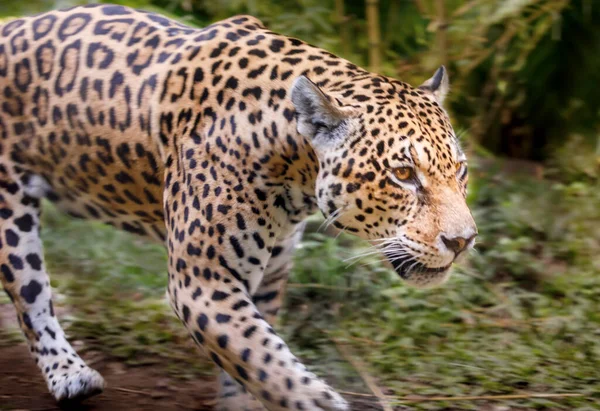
<point x="457" y="244"/>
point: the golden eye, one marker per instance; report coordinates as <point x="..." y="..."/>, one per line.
<point x="403" y="173"/>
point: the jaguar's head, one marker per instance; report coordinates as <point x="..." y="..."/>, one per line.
<point x="391" y="170"/>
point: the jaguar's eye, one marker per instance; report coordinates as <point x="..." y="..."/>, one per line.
<point x="403" y="173"/>
<point x="461" y="170"/>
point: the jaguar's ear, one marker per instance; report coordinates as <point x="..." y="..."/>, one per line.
<point x="317" y="115"/>
<point x="438" y="85"/>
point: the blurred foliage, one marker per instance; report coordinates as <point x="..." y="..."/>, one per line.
<point x="120" y="308"/>
<point x="523" y="71"/>
<point x="520" y="316"/>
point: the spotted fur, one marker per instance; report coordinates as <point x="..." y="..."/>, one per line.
<point x="218" y="142"/>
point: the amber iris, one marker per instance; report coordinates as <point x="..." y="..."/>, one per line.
<point x="403" y="173"/>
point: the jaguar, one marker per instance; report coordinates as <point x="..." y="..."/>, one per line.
<point x="218" y="142"/>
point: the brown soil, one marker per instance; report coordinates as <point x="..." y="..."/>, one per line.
<point x="138" y="388"/>
<point x="128" y="388"/>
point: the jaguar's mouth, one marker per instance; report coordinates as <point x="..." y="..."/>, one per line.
<point x="418" y="274"/>
<point x="406" y="271"/>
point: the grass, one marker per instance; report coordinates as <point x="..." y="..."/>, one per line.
<point x="521" y="317"/>
<point x="114" y="285"/>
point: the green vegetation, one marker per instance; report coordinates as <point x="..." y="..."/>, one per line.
<point x="520" y="316"/>
<point x="523" y="72"/>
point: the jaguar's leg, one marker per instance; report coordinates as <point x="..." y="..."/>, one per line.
<point x="218" y="250"/>
<point x="26" y="282"/>
<point x="268" y="299"/>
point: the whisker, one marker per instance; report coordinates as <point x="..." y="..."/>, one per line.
<point x="369" y="263"/>
<point x="384" y="238"/>
<point x="392" y="251"/>
<point x="359" y="256"/>
<point x="412" y="266"/>
<point x="333" y="220"/>
<point x="342" y="230"/>
<point x="329" y="218"/>
<point x="398" y="256"/>
<point x="391" y="258"/>
<point x="386" y="249"/>
<point x="399" y="267"/>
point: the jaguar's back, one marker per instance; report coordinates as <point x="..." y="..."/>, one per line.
<point x="85" y="93"/>
<point x="79" y="98"/>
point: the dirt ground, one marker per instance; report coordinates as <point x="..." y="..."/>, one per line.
<point x="132" y="389"/>
<point x="127" y="388"/>
<point x="139" y="388"/>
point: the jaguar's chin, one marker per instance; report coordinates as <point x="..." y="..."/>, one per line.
<point x="419" y="275"/>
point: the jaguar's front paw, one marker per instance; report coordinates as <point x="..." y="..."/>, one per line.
<point x="76" y="386"/>
<point x="320" y="396"/>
